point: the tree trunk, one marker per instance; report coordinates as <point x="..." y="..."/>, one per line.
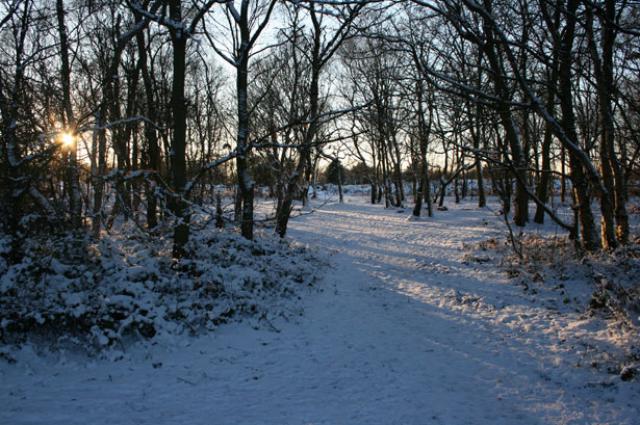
<point x="75" y="199"/>
<point x="149" y="132"/>
<point x="178" y="143"/>
<point x="611" y="170"/>
<point x="578" y="178"/>
<point x="511" y="131"/>
<point x="542" y="191"/>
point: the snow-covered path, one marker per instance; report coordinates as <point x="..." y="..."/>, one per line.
<point x="404" y="332"/>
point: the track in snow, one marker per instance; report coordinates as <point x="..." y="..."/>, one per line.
<point x="404" y="332"/>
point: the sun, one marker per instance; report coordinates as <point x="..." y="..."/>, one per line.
<point x="67" y="139"/>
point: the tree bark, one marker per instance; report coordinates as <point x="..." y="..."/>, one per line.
<point x="578" y="178"/>
<point x="178" y="143"/>
<point x="75" y="198"/>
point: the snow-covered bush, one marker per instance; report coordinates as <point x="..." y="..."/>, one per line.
<point x="126" y="286"/>
<point x="598" y="294"/>
<point x="608" y="280"/>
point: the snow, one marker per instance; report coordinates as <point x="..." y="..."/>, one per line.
<point x="407" y="328"/>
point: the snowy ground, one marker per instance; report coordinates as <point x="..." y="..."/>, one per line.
<point x="404" y="332"/>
